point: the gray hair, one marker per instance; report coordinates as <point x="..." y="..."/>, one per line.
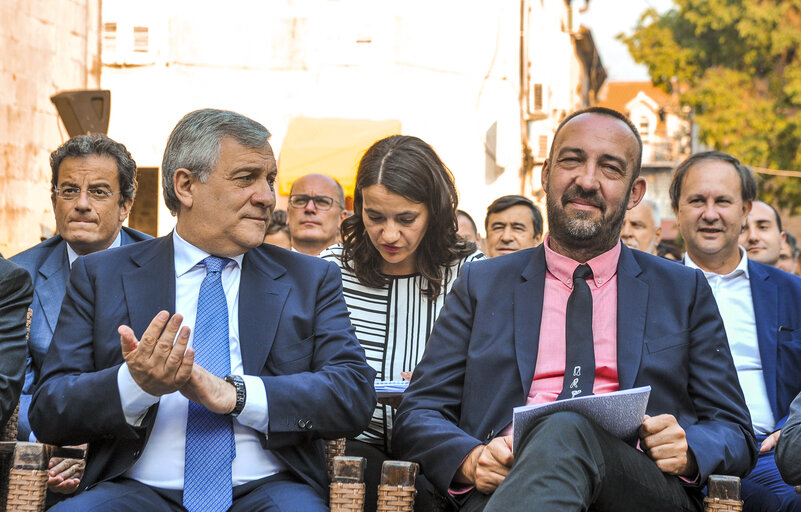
<point x="654" y="207"/>
<point x="83" y="146"/>
<point x="194" y="144"/>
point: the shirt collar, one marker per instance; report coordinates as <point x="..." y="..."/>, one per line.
<point x="604" y="266"/>
<point x="72" y="255"/>
<point x="187" y="256"/>
<point x="741" y="269"/>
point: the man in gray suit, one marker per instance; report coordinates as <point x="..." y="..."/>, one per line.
<point x="88" y="172"/>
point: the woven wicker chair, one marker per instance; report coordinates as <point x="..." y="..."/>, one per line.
<point x="396" y="492"/>
<point x="23" y="466"/>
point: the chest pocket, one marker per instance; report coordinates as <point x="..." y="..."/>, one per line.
<point x="666" y="342"/>
<point x="293" y="357"/>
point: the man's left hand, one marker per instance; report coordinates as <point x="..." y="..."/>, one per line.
<point x="210" y="391"/>
<point x="663" y="439"/>
<point x="770" y="442"/>
<point x="64" y="475"/>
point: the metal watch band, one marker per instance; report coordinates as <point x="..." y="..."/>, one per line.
<point x="241" y="395"/>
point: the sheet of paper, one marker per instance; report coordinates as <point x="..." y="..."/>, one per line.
<point x="620" y="413"/>
<point x="387" y="388"/>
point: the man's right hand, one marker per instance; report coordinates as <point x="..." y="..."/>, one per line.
<point x="487" y="465"/>
<point x="159" y="362"/>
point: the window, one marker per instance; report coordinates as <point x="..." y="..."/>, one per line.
<point x="543" y="147"/>
<point x="110" y="38"/>
<point x="140" y="39"/>
<point x="535" y="98"/>
<point x="645" y="129"/>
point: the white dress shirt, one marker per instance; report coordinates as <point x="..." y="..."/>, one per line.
<point x="162" y="461"/>
<point x="733" y="294"/>
<point x="72" y="255"/>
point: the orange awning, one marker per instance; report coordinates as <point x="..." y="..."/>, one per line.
<point x="331" y="147"/>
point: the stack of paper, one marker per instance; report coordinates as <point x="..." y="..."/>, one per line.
<point x="387" y="388"/>
<point x="620" y="413"/>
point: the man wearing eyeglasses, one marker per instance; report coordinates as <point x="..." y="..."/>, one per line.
<point x="93" y="187"/>
<point x="316" y="207"/>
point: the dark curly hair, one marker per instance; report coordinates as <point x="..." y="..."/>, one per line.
<point x="409" y="167"/>
<point x="84" y="146"/>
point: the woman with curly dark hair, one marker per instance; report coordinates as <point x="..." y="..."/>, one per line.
<point x="399" y="257"/>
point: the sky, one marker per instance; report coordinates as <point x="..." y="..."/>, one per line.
<point x="606" y="19"/>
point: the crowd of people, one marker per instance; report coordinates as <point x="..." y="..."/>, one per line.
<point x="205" y="368"/>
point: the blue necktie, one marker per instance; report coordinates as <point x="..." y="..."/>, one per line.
<point x="210" y="447"/>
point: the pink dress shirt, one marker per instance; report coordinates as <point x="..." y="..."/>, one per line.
<point x="549" y="373"/>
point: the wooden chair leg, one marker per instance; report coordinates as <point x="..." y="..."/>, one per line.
<point x="347" y="484"/>
<point x="396" y="492"/>
<point x="723" y="494"/>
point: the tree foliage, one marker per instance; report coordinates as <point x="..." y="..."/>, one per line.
<point x="737" y="64"/>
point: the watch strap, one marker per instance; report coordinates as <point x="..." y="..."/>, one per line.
<point x="241" y="394"/>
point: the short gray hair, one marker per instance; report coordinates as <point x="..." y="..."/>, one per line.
<point x="654" y="207"/>
<point x="194" y="144"/>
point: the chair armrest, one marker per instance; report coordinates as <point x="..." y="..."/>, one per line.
<point x="347" y="484"/>
<point x="723" y="494"/>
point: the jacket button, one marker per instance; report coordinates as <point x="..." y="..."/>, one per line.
<point x="308" y="425"/>
<point x="302" y="423"/>
<point x="490" y="435"/>
<point x="136" y="453"/>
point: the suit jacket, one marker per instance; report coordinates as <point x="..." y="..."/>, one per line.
<point x="294" y="332"/>
<point x="49" y="267"/>
<point x="16" y="293"/>
<point x="776" y="296"/>
<point x="788" y="448"/>
<point x="480" y="361"/>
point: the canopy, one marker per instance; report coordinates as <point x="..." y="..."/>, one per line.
<point x="331" y="147"/>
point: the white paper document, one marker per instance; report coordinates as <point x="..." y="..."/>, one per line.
<point x="387" y="388"/>
<point x="620" y="413"/>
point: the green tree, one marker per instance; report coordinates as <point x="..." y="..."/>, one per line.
<point x="737" y="64"/>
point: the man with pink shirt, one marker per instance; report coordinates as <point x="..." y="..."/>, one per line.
<point x="500" y="342"/>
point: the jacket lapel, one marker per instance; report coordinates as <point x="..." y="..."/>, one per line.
<point x="150" y="286"/>
<point x="261" y="301"/>
<point x="55" y="272"/>
<point x="528" y="316"/>
<point x="765" y="300"/>
<point x="632" y="305"/>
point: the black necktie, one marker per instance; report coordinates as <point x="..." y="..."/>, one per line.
<point x="579" y="350"/>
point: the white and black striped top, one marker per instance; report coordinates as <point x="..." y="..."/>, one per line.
<point x="393" y="324"/>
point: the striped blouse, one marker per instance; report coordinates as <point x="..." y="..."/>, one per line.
<point x="392" y="324"/>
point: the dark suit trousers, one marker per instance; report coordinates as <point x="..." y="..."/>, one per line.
<point x="278" y="493"/>
<point x="568" y="463"/>
<point x="764" y="490"/>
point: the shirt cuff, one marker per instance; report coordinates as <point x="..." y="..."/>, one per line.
<point x="135" y="401"/>
<point x="256" y="414"/>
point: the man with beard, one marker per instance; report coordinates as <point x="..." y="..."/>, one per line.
<point x="615" y="319"/>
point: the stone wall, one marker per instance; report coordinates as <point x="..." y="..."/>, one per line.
<point x="47" y="46"/>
